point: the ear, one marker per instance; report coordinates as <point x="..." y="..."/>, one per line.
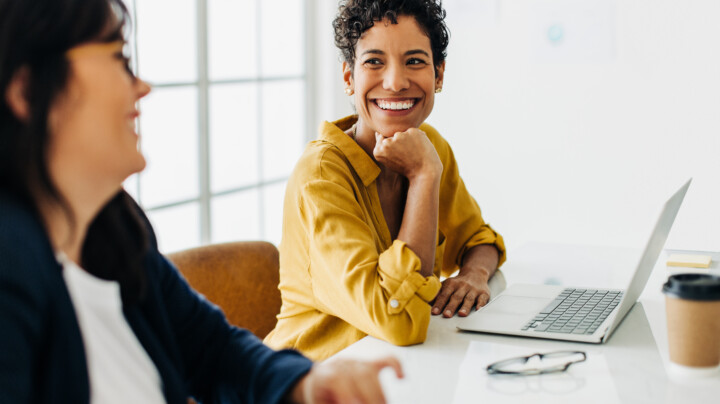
<point x="439" y="74"/>
<point x="347" y="75"/>
<point x="16" y="94"/>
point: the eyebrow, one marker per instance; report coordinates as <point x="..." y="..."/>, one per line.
<point x="408" y="53"/>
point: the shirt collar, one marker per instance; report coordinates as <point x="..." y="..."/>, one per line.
<point x="333" y="133"/>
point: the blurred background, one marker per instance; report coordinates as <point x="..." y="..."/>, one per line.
<point x="572" y="121"/>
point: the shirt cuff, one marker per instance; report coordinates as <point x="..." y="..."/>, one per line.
<point x="487" y="236"/>
<point x="399" y="268"/>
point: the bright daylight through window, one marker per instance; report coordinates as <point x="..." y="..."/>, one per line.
<point x="226" y="119"/>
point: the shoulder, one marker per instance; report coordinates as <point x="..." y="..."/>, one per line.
<point x="31" y="283"/>
<point x="23" y="240"/>
<point x="322" y="160"/>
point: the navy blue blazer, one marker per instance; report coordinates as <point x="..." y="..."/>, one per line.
<point x="197" y="353"/>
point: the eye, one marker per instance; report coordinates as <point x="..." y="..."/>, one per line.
<point x="416" y="61"/>
<point x="373" y="62"/>
<point x="125" y="60"/>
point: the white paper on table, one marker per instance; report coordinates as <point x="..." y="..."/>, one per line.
<point x="584" y="382"/>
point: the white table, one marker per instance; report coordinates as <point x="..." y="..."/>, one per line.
<point x="632" y="367"/>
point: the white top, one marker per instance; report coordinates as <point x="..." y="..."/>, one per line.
<point x="119" y="368"/>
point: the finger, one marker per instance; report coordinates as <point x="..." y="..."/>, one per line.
<point x="344" y="389"/>
<point x="364" y="386"/>
<point x="368" y="388"/>
<point x="442" y="297"/>
<point x="378" y="139"/>
<point x="379" y="149"/>
<point x="467" y="305"/>
<point x="455" y="300"/>
<point x="389" y="361"/>
<point x="482" y="300"/>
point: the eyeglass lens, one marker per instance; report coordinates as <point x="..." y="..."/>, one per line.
<point x="549" y="362"/>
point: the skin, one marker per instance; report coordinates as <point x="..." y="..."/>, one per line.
<point x="394" y="64"/>
<point x="93" y="148"/>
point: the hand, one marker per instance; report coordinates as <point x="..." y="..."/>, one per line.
<point x="408" y="153"/>
<point x="344" y="381"/>
<point x="467" y="289"/>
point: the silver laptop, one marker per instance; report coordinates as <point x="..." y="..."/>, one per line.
<point x="573" y="314"/>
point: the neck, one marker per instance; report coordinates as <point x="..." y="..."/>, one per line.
<point x="365" y="137"/>
<point x="67" y="227"/>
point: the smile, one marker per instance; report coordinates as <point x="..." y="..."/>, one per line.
<point x="395" y="105"/>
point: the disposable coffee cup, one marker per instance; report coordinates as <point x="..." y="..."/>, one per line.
<point x="692" y="303"/>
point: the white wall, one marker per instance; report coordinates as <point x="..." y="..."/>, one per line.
<point x="331" y="101"/>
<point x="582" y="146"/>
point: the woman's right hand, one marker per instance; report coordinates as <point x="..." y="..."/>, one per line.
<point x="344" y="381"/>
<point x="408" y="153"/>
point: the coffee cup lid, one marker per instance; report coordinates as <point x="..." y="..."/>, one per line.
<point x="693" y="287"/>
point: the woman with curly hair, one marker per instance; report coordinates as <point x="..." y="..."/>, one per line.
<point x="375" y="210"/>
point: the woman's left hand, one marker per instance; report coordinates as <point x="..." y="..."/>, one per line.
<point x="344" y="381"/>
<point x="460" y="293"/>
<point x="470" y="287"/>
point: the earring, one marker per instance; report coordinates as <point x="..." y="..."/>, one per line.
<point x="438" y="90"/>
<point x="348" y="91"/>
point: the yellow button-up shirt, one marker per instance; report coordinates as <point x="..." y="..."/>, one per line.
<point x="342" y="277"/>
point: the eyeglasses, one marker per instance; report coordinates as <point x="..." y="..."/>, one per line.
<point x="93" y="48"/>
<point x="550" y="362"/>
<point x="117" y="49"/>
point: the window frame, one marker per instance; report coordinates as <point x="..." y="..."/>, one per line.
<point x="203" y="84"/>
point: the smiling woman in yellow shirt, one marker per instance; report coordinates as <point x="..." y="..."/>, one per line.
<point x="375" y="210"/>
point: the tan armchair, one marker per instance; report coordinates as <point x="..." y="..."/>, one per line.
<point x="240" y="277"/>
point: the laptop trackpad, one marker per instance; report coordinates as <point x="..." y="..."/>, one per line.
<point x="506" y="313"/>
<point x="516" y="305"/>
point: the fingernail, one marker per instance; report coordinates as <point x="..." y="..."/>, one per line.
<point x="463" y="311"/>
<point x="448" y="313"/>
<point x="435" y="310"/>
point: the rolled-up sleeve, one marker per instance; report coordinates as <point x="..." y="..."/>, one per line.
<point x="401" y="285"/>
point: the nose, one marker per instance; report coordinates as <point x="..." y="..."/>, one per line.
<point x="143" y="88"/>
<point x="395" y="78"/>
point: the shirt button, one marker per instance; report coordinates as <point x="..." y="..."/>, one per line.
<point x="394" y="303"/>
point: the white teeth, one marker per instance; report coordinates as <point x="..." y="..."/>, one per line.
<point x="395" y="105"/>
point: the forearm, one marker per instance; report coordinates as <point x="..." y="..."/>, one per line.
<point x="420" y="219"/>
<point x="482" y="259"/>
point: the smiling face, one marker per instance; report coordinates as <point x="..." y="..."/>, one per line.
<point x="393" y="79"/>
<point x="92" y="124"/>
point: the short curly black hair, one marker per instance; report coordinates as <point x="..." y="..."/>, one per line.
<point x="357" y="16"/>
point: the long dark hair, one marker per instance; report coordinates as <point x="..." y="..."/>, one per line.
<point x="34" y="37"/>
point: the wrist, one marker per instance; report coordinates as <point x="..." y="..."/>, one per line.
<point x="480" y="271"/>
<point x="301" y="392"/>
<point x="425" y="175"/>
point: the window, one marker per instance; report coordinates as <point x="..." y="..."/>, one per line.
<point x="226" y="120"/>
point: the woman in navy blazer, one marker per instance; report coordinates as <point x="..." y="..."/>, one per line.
<point x="67" y="142"/>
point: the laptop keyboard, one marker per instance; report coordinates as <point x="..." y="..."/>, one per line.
<point x="575" y="311"/>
